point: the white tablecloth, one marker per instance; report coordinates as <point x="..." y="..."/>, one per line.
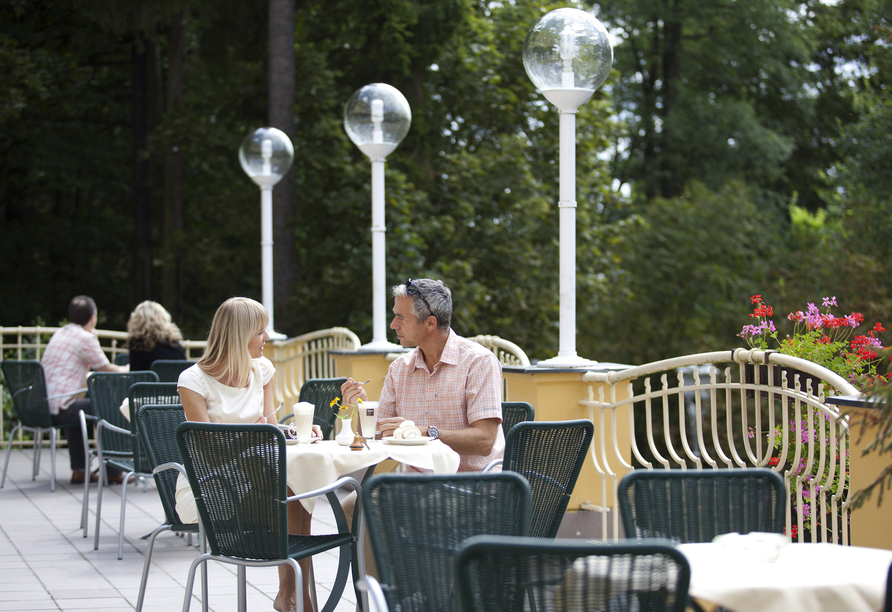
<point x="312" y="466"/>
<point x="804" y="578"/>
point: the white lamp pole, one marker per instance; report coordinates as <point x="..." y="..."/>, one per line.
<point x="376" y="119"/>
<point x="265" y="156"/>
<point x="567" y="55"/>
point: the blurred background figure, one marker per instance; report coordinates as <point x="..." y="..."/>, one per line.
<point x="153" y="335"/>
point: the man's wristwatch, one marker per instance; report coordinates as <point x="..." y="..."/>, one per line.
<point x="433" y="432"/>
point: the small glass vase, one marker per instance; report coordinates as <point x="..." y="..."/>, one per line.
<point x="345" y="433"/>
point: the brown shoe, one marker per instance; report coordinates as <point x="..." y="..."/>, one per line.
<point x="77" y="477"/>
<point x="116" y="478"/>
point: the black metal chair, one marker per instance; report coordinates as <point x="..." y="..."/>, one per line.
<point x="417" y="522"/>
<point x="697" y="505"/>
<point x="237" y="474"/>
<point x="168" y="370"/>
<point x="549" y="454"/>
<point x="514" y="413"/>
<point x="320" y="392"/>
<point x="26" y="383"/>
<point x="108" y="390"/>
<point x="120" y="445"/>
<point x="157" y="427"/>
<point x="502" y="574"/>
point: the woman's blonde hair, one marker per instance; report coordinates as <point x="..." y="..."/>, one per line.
<point x="150" y="324"/>
<point x="227" y="357"/>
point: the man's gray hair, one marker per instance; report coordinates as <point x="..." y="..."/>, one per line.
<point x="437" y="295"/>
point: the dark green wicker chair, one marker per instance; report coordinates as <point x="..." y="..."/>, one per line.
<point x="549" y="454"/>
<point x="320" y="392"/>
<point x="514" y="413"/>
<point x="502" y="574"/>
<point x="26" y="384"/>
<point x="122" y="359"/>
<point x="157" y="426"/>
<point x="168" y="370"/>
<point x="417" y="522"/>
<point x="697" y="505"/>
<point x="127" y="454"/>
<point x="237" y="473"/>
<point x="108" y="390"/>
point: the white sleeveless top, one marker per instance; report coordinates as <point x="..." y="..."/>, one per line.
<point x="225" y="405"/>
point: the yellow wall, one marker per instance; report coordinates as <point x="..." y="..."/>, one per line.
<point x="555" y="397"/>
<point x="870" y="524"/>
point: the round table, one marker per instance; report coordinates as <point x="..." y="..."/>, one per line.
<point x="312" y="466"/>
<point x="804" y="578"/>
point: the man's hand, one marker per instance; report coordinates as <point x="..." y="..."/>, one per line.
<point x="351" y="391"/>
<point x="388" y="426"/>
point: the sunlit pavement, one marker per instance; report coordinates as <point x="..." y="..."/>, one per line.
<point x="46" y="564"/>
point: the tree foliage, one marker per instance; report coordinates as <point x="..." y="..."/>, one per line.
<point x="736" y="148"/>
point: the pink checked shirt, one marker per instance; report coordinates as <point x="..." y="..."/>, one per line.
<point x="464" y="387"/>
<point x="70" y="354"/>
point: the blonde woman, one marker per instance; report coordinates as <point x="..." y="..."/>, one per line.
<point x="233" y="383"/>
<point x="153" y="336"/>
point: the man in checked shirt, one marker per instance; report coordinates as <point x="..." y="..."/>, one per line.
<point x="448" y="385"/>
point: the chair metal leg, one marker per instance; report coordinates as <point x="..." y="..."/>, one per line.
<point x="298" y="585"/>
<point x="243" y="588"/>
<point x="88" y="470"/>
<point x="99" y="501"/>
<point x="38" y="444"/>
<point x="53" y="432"/>
<point x="146" y="565"/>
<point x="8" y="453"/>
<point x="124" y="510"/>
<point x="190" y="580"/>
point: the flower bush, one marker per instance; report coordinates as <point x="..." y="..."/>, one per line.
<point x="825" y="339"/>
<point x="819" y="337"/>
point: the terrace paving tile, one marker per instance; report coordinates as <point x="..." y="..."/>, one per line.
<point x="46" y="564"/>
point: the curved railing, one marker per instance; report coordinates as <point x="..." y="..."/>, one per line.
<point x="730" y="409"/>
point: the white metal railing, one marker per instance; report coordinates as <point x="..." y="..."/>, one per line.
<point x="307" y="356"/>
<point x="709" y="417"/>
<point x="507" y="352"/>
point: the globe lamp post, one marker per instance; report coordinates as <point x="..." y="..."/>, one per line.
<point x="567" y="55"/>
<point x="377" y="118"/>
<point x="266" y="156"/>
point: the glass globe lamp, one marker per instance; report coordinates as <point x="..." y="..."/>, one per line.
<point x="567" y="55"/>
<point x="377" y="118"/>
<point x="266" y="156"/>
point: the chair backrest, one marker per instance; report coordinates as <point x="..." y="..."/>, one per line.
<point x="168" y="370"/>
<point x="697" y="505"/>
<point x="26" y="384"/>
<point x="108" y="390"/>
<point x="320" y="392"/>
<point x="416" y="523"/>
<point x="122" y="359"/>
<point x="157" y="426"/>
<point x="142" y="394"/>
<point x="514" y="413"/>
<point x="549" y="454"/>
<point x="498" y="574"/>
<point x="237" y="473"/>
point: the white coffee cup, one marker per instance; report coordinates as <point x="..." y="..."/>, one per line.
<point x="303" y="419"/>
<point x="368" y="419"/>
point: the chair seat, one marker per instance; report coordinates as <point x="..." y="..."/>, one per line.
<point x="300" y="547"/>
<point x="124" y="465"/>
